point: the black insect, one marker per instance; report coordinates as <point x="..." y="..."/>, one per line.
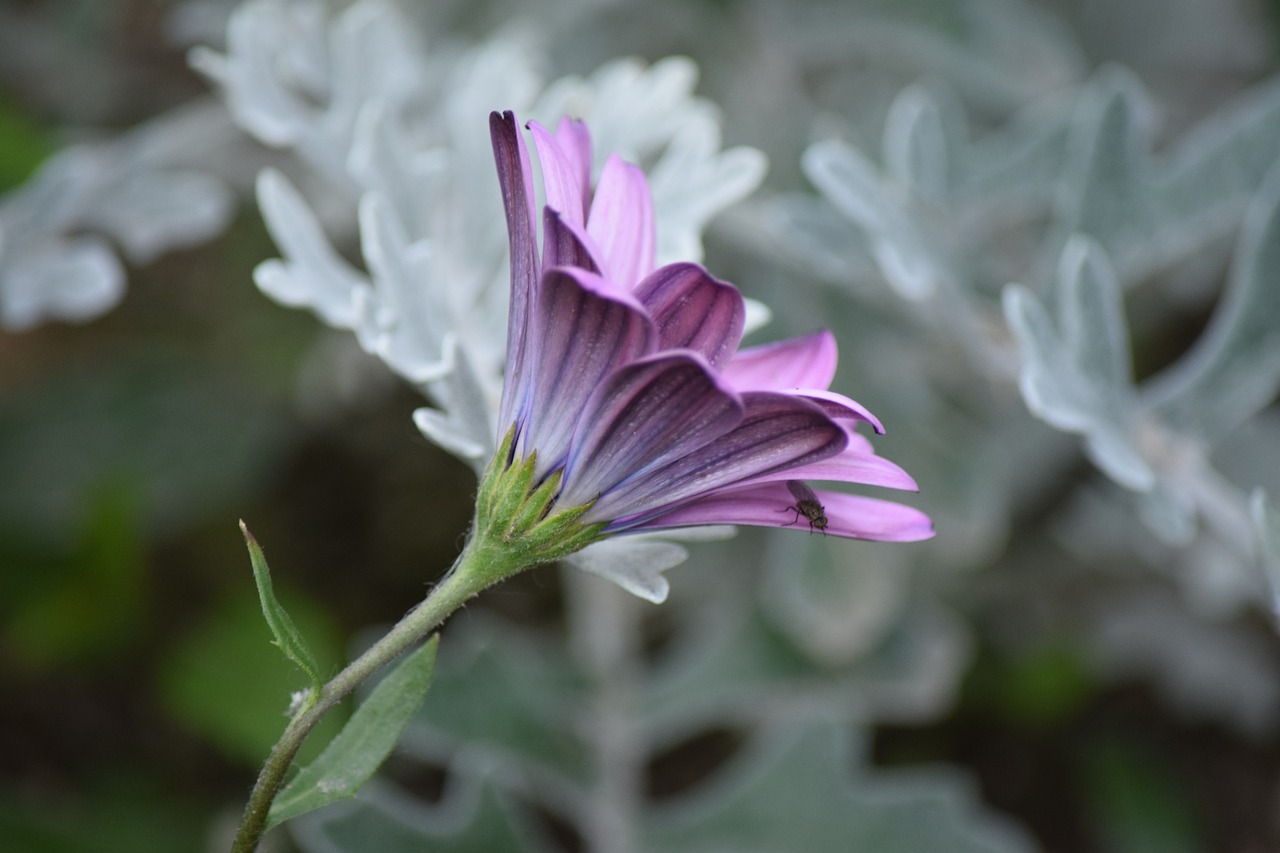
<point x="807" y="505"/>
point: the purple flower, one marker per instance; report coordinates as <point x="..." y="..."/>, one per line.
<point x="625" y="382"/>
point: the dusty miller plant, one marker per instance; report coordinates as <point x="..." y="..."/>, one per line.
<point x="991" y="229"/>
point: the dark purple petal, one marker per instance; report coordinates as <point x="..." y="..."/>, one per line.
<point x="621" y="222"/>
<point x="562" y="181"/>
<point x="807" y="362"/>
<point x="770" y="505"/>
<point x="585" y="329"/>
<point x="646" y="414"/>
<point x="840" y="407"/>
<point x="566" y="245"/>
<point x="516" y="181"/>
<point x="857" y="463"/>
<point x="693" y="310"/>
<point x="777" y="432"/>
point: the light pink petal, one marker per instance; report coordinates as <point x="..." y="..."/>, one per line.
<point x="693" y="310"/>
<point x="585" y="329"/>
<point x="575" y="141"/>
<point x="621" y="222"/>
<point x="770" y="505"/>
<point x="561" y="179"/>
<point x="516" y="182"/>
<point x="647" y="414"/>
<point x="804" y="362"/>
<point x="841" y="407"/>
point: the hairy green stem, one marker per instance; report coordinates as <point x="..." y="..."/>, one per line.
<point x="467" y="578"/>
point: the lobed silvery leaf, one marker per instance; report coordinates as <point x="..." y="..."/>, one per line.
<point x="793" y="790"/>
<point x="1076" y="375"/>
<point x="906" y="255"/>
<point x="1216" y="670"/>
<point x="311" y="274"/>
<point x="1010" y="175"/>
<point x="76" y="279"/>
<point x="916" y="150"/>
<point x="838" y="601"/>
<point x="295" y="79"/>
<point x="1216" y="168"/>
<point x="1151" y="213"/>
<point x="637" y="563"/>
<point x="1004" y="54"/>
<point x="472" y="818"/>
<point x="1266" y="530"/>
<point x="140" y="190"/>
<point x="1104" y="188"/>
<point x="1233" y="371"/>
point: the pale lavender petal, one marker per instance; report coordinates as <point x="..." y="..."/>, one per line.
<point x="647" y="414"/>
<point x="585" y="329"/>
<point x="561" y="177"/>
<point x="621" y="222"/>
<point x="515" y="179"/>
<point x="693" y="310"/>
<point x="769" y="505"/>
<point x="575" y="141"/>
<point x="841" y="407"/>
<point x="804" y="362"/>
<point x="777" y="432"/>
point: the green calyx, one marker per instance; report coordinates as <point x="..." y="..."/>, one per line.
<point x="517" y="523"/>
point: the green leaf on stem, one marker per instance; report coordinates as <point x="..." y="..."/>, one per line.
<point x="364" y="742"/>
<point x="287" y="635"/>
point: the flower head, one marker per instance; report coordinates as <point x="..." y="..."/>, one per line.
<point x="627" y="398"/>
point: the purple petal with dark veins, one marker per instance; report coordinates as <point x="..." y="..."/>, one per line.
<point x="804" y="362"/>
<point x="857" y="463"/>
<point x="515" y="179"/>
<point x="621" y="222"/>
<point x="646" y="414"/>
<point x="561" y="177"/>
<point x="693" y="310"/>
<point x="566" y="245"/>
<point x="585" y="329"/>
<point x="769" y="505"/>
<point x="777" y="432"/>
<point x="841" y="407"/>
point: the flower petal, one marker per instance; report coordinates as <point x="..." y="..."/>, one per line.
<point x="857" y="463"/>
<point x="771" y="505"/>
<point x="584" y="330"/>
<point x="515" y="179"/>
<point x="646" y="414"/>
<point x="574" y="140"/>
<point x="566" y="245"/>
<point x="777" y="432"/>
<point x="693" y="310"/>
<point x="839" y="407"/>
<point x="804" y="362"/>
<point x="622" y="223"/>
<point x="562" y="182"/>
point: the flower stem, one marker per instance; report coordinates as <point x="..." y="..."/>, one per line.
<point x="466" y="579"/>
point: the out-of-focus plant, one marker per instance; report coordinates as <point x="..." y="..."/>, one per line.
<point x="1010" y="245"/>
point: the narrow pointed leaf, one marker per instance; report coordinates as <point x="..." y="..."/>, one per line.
<point x="364" y="742"/>
<point x="287" y="635"/>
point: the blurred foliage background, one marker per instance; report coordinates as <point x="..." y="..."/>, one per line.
<point x="138" y="691"/>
